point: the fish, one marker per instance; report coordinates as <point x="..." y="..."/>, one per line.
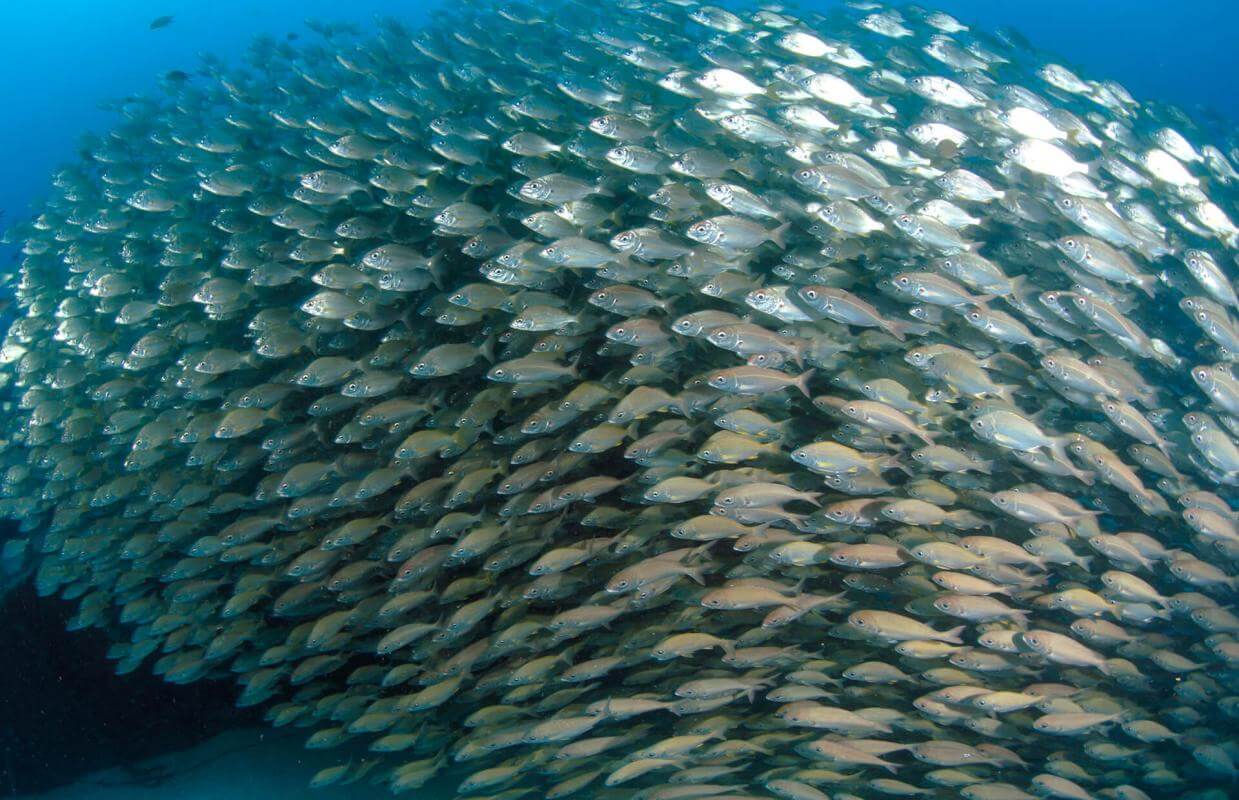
<point x="161" y="22"/>
<point x="649" y="398"/>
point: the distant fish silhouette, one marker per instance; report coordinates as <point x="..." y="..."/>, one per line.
<point x="1014" y="38"/>
<point x="161" y="22"/>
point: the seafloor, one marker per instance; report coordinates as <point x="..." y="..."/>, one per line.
<point x="248" y="764"/>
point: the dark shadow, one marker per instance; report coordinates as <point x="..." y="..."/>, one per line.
<point x="65" y="712"/>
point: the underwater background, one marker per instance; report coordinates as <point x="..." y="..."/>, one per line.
<point x="62" y="58"/>
<point x="63" y="712"/>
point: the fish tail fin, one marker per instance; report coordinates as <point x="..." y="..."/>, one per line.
<point x="699" y="549"/>
<point x="954" y="635"/>
<point x="802" y="381"/>
<point x="437" y="268"/>
<point x="746" y="166"/>
<point x="682" y="405"/>
<point x="908" y="328"/>
<point x="896" y="329"/>
<point x="487" y="349"/>
<point x="1006" y="391"/>
<point x="696" y="574"/>
<point x="894" y="462"/>
<point x="805" y="603"/>
<point x="1058" y="452"/>
<point x="779" y="235"/>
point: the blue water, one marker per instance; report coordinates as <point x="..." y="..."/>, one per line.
<point x="61" y="58"/>
<point x="1175" y="52"/>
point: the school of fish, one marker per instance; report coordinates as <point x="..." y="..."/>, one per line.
<point x="646" y="399"/>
